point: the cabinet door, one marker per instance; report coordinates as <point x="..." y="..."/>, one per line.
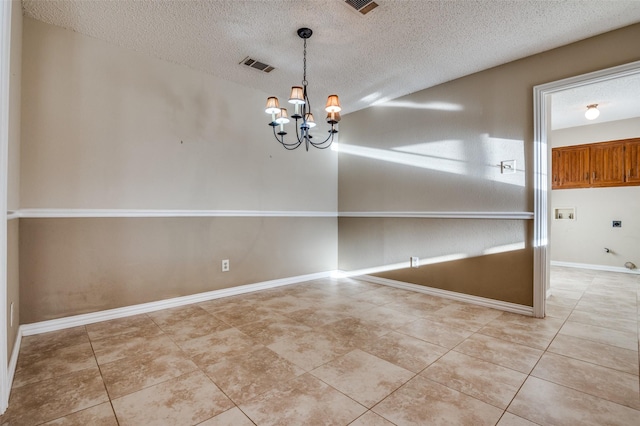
<point x="632" y="161"/>
<point x="573" y="167"/>
<point x="607" y="164"/>
<point x="555" y="168"/>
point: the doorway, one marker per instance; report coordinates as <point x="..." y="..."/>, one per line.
<point x="542" y="177"/>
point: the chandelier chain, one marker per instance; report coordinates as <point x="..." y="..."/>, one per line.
<point x="304" y="64"/>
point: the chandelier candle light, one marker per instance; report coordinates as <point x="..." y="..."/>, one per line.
<point x="302" y="111"/>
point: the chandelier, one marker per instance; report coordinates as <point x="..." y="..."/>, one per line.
<point x="302" y="111"/>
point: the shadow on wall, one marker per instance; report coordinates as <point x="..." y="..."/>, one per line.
<point x="485" y="276"/>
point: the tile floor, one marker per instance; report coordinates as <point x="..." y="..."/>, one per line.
<point x="345" y="352"/>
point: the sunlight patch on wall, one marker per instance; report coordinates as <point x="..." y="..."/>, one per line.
<point x="478" y="159"/>
<point x="504" y="248"/>
<point x="437" y="106"/>
<point x="396" y="266"/>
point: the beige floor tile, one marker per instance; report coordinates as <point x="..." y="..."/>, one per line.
<point x="316" y="317"/>
<point x="546" y="403"/>
<point x="123" y="345"/>
<point x="302" y="401"/>
<point x="483" y="380"/>
<point x="287" y="303"/>
<point x="176" y="315"/>
<point x="53" y="340"/>
<point x="561" y="301"/>
<point x="53" y="398"/>
<point x="38" y="366"/>
<point x="248" y="375"/>
<point x="187" y="322"/>
<point x="99" y="415"/>
<point x="132" y="374"/>
<point x="595" y="380"/>
<point x="621" y="339"/>
<point x="188" y="399"/>
<point x="438" y="334"/>
<point x="557" y="311"/>
<point x="211" y="348"/>
<point x="233" y="417"/>
<point x="509" y="419"/>
<point x="596" y="353"/>
<point x="404" y="351"/>
<point x="310" y="350"/>
<point x="353" y="332"/>
<point x="418" y="304"/>
<point x="507" y="354"/>
<point x="363" y="377"/>
<point x="347" y="287"/>
<point x="465" y="316"/>
<point x="131" y="324"/>
<point x="237" y="317"/>
<point x="424" y="402"/>
<point x="381" y="295"/>
<point x="270" y="330"/>
<point x="371" y="419"/>
<point x="383" y="317"/>
<point x="534" y="332"/>
<point x="629" y="324"/>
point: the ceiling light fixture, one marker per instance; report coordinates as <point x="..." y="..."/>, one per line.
<point x="592" y="112"/>
<point x="302" y="111"/>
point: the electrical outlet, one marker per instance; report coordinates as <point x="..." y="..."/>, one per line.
<point x="617" y="224"/>
<point x="225" y="265"/>
<point x="415" y="262"/>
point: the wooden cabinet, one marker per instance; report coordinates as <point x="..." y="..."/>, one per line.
<point x="607" y="164"/>
<point x="632" y="161"/>
<point x="571" y="166"/>
<point x="615" y="163"/>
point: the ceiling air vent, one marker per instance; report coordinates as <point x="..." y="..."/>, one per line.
<point x="252" y="63"/>
<point x="362" y="6"/>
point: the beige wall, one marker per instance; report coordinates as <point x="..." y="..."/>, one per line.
<point x="75" y="266"/>
<point x="438" y="150"/>
<point x="108" y="128"/>
<point x="583" y="240"/>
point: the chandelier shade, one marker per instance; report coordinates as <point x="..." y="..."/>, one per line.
<point x="304" y="120"/>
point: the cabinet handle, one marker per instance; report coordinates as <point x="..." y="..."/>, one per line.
<point x="586" y="176"/>
<point x="593" y="176"/>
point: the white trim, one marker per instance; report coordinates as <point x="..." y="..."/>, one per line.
<point x="5" y="75"/>
<point x="462" y="297"/>
<point x="71" y="213"/>
<point x="542" y="183"/>
<point x="13" y="362"/>
<point x="12" y="215"/>
<point x="93" y="317"/>
<point x="443" y="215"/>
<point x="87" y="213"/>
<point x="596" y="267"/>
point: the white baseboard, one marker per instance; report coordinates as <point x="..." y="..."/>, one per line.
<point x="13" y="361"/>
<point x="595" y="267"/>
<point x="93" y="317"/>
<point x="476" y="300"/>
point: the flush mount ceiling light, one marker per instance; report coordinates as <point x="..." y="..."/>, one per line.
<point x="592" y="112"/>
<point x="302" y="111"/>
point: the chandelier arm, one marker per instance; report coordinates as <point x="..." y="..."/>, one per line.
<point x="289" y="146"/>
<point x="329" y="138"/>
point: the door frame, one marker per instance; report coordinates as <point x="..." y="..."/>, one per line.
<point x="542" y="176"/>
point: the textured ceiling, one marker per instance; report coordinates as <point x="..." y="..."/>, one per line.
<point x="399" y="48"/>
<point x="617" y="99"/>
